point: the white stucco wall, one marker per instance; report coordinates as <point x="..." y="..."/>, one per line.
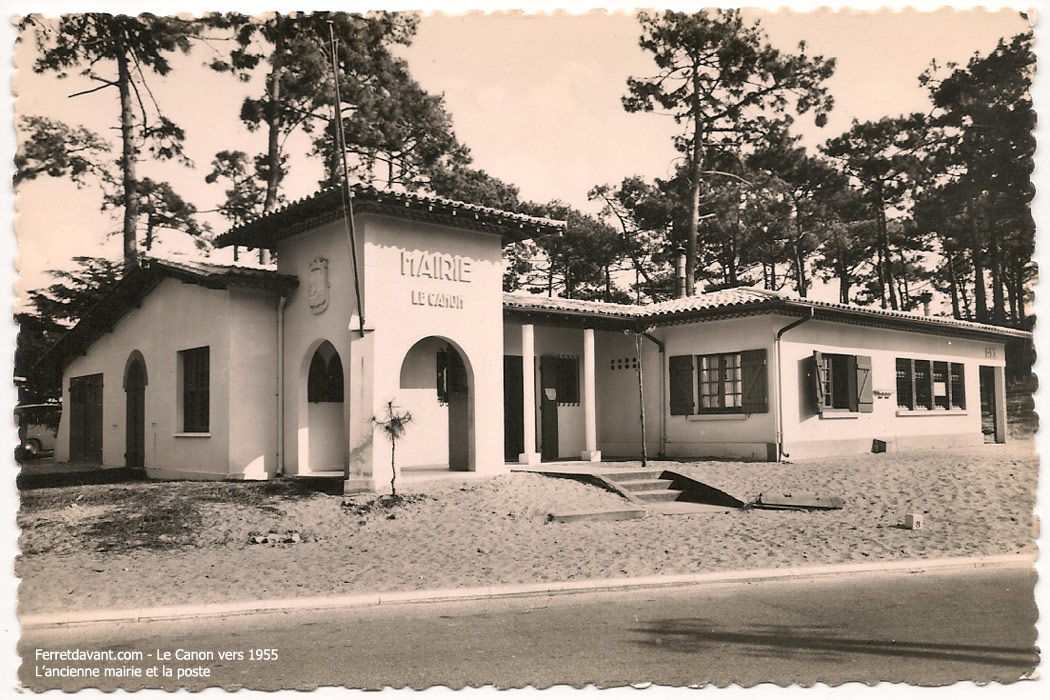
<point x="808" y="434"/>
<point x="616" y="389"/>
<point x="403" y="309"/>
<point x="719" y="435"/>
<point x="311" y="446"/>
<point x="417" y="394"/>
<point x="252" y="373"/>
<point x="174" y="317"/>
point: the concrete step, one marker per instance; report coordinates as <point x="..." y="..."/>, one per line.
<point x="644" y="484"/>
<point x="632" y="475"/>
<point x="612" y="514"/>
<point x="660" y="495"/>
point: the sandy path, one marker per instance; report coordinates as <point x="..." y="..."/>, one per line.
<point x="495" y="531"/>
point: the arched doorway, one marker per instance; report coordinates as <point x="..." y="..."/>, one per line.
<point x="325" y="434"/>
<point x="135" y="381"/>
<point x="437" y="388"/>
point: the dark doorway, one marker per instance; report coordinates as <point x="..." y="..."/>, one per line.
<point x="513" y="410"/>
<point x="85" y="419"/>
<point x="989" y="418"/>
<point x="548" y="408"/>
<point x="457" y="394"/>
<point x="135" y="390"/>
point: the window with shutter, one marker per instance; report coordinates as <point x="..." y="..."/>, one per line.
<point x="680" y="384"/>
<point x="841" y="383"/>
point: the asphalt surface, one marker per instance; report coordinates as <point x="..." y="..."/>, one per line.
<point x="924" y="629"/>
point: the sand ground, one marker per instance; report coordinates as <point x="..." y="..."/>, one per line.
<point x="975" y="502"/>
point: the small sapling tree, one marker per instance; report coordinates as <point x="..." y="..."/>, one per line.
<point x="393" y="426"/>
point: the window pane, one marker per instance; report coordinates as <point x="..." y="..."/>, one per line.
<point x="904" y="395"/>
<point x="923" y="388"/>
<point x="958" y="386"/>
<point x="195" y="390"/>
<point x="838" y="392"/>
<point x="940" y="385"/>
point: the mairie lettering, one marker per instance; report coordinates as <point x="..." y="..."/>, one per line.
<point x="437" y="266"/>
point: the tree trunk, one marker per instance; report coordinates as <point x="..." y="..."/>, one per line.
<point x="1011" y="291"/>
<point x="801" y="283"/>
<point x="977" y="257"/>
<point x="844" y="284"/>
<point x="953" y="285"/>
<point x="966" y="308"/>
<point x="884" y="254"/>
<point x="393" y="467"/>
<point x="998" y="303"/>
<point x="128" y="159"/>
<point x="905" y="291"/>
<point x="273" y="120"/>
<point x="879" y="270"/>
<point x="1019" y="289"/>
<point x="694" y="228"/>
<point x="694" y="193"/>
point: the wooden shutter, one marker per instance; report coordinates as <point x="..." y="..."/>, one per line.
<point x="441" y="379"/>
<point x="957" y="389"/>
<point x="680" y="368"/>
<point x="865" y="400"/>
<point x="817" y="374"/>
<point x="753" y="375"/>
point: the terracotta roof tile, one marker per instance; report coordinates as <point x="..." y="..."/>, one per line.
<point x="325" y="206"/>
<point x="750" y="299"/>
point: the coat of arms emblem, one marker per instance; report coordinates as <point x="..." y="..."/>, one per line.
<point x="318" y="288"/>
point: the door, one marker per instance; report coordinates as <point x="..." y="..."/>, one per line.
<point x="85" y="419"/>
<point x="548" y="408"/>
<point x="513" y="410"/>
<point x="135" y="389"/>
<point x="989" y="426"/>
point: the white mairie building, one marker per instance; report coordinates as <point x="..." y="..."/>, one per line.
<point x="199" y="371"/>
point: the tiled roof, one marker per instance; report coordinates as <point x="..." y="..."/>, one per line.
<point x="220" y="276"/>
<point x="326" y="205"/>
<point x="747" y="300"/>
<point x="128" y="293"/>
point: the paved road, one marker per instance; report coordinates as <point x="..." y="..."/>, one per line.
<point x="925" y="629"/>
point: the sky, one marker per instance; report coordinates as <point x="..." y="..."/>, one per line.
<point x="535" y="97"/>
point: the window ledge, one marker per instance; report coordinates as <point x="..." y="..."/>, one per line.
<point x="716" y="416"/>
<point x="907" y="413"/>
<point x="192" y="435"/>
<point x="839" y="415"/>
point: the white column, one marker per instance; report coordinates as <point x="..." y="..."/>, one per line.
<point x="528" y="385"/>
<point x="590" y="433"/>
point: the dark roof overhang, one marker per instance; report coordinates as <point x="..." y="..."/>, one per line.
<point x="326" y="206"/>
<point x="128" y="293"/>
<point x="641" y="318"/>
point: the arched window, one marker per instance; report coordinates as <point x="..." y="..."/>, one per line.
<point x="325" y="382"/>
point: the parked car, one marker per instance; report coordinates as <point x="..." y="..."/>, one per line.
<point x="37" y="429"/>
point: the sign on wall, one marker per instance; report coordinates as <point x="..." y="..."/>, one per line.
<point x="425" y="265"/>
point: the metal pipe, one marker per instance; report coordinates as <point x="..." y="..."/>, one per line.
<point x="780" y="390"/>
<point x="663" y="389"/>
<point x="280" y="385"/>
